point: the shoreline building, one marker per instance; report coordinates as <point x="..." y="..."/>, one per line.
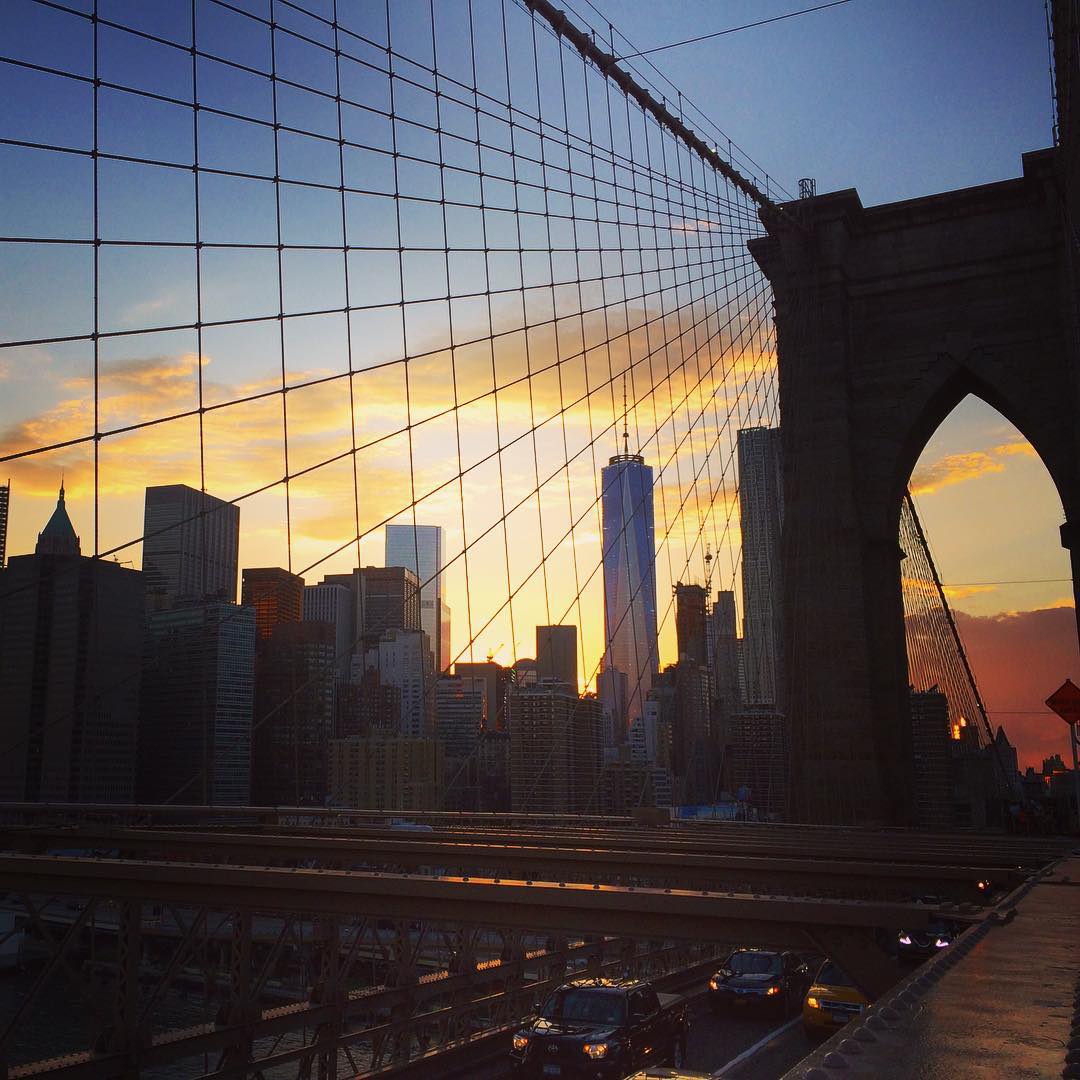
<point x="555" y="750"/>
<point x="629" y="576"/>
<point x="422" y="549"/>
<point x="556" y="654"/>
<point x="190" y="546"/>
<point x="71" y="637"/>
<point x="198" y="699"/>
<point x="5" y="502"/>
<point x="761" y="515"/>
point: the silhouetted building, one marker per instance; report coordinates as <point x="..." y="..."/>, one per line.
<point x="627" y="784"/>
<point x="333" y="604"/>
<point x="695" y="752"/>
<point x="690" y="624"/>
<point x="761" y="514"/>
<point x="422" y="550"/>
<point x="460" y="720"/>
<point x="5" y="502"/>
<point x="387" y="598"/>
<point x="613" y="692"/>
<point x="493" y="792"/>
<point x="365" y="706"/>
<point x="933" y="759"/>
<point x="556" y="654"/>
<point x="294" y="708"/>
<point x="629" y="575"/>
<point x="496" y="680"/>
<point x="198" y="688"/>
<point x="760" y="759"/>
<point x="276" y="595"/>
<point x="555" y="750"/>
<point x="724" y="647"/>
<point x="385" y="772"/>
<point x="405" y="663"/>
<point x="190" y="546"/>
<point x="460" y="714"/>
<point x="71" y="632"/>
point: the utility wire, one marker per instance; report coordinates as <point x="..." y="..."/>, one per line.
<point x="732" y="30"/>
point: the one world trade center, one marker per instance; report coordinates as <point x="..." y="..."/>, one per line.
<point x="630" y="575"/>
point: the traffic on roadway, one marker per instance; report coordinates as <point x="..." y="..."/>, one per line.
<point x="759" y="1014"/>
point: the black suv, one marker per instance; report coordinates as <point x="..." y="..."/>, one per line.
<point x="601" y="1029"/>
<point x="759" y="978"/>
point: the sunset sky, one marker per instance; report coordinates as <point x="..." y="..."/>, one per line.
<point x="896" y="100"/>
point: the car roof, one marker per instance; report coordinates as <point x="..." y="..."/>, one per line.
<point x="596" y="981"/>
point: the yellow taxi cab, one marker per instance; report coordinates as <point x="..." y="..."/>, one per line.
<point x="831" y="1002"/>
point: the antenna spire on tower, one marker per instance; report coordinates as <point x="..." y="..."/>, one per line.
<point x="625" y="423"/>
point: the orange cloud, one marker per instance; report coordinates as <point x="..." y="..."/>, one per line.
<point x="958" y="468"/>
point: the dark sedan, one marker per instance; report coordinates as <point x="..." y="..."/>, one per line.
<point x="759" y="978"/>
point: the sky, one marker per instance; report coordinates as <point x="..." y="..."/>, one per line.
<point x="896" y="100"/>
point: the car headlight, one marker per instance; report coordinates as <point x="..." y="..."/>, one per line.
<point x="813" y="1003"/>
<point x="772" y="990"/>
<point x="714" y="983"/>
<point x="905" y="939"/>
<point x="597" y="1050"/>
<point x="941" y="943"/>
<point x="520" y="1041"/>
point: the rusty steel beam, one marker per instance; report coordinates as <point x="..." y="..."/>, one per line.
<point x="894" y="845"/>
<point x="527" y="859"/>
<point x="539" y="905"/>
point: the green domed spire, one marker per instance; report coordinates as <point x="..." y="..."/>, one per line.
<point x="58" y="537"/>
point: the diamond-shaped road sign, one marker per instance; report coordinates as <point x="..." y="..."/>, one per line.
<point x="1065" y="701"/>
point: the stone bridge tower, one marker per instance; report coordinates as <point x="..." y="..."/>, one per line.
<point x="886" y="318"/>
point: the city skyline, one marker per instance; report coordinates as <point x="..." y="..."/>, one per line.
<point x="530" y="393"/>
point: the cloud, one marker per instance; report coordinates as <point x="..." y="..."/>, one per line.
<point x="961" y="592"/>
<point x="958" y="468"/>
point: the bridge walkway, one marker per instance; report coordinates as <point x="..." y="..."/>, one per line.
<point x="1003" y="1001"/>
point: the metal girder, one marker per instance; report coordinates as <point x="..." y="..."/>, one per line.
<point x="623" y="910"/>
<point x="528" y="859"/>
<point x="797" y="841"/>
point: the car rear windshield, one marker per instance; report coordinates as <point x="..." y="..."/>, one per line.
<point x="831" y="975"/>
<point x="586" y="1006"/>
<point x="754" y="963"/>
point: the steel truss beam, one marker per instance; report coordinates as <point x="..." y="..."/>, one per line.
<point x="609" y="864"/>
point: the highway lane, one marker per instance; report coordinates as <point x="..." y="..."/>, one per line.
<point x="717" y="1040"/>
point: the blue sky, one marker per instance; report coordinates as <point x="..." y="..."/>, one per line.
<point x="897" y="98"/>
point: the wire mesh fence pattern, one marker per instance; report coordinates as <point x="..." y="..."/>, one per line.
<point x="344" y="266"/>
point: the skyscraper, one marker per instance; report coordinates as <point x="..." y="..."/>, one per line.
<point x="197" y="704"/>
<point x="724" y="655"/>
<point x="761" y="514"/>
<point x="385" y="598"/>
<point x="555" y="750"/>
<point x="405" y="663"/>
<point x="190" y="550"/>
<point x="690" y="628"/>
<point x="421" y="549"/>
<point x="630" y="575"/>
<point x="294" y="710"/>
<point x="5" y="499"/>
<point x="334" y="604"/>
<point x="276" y="595"/>
<point x="70" y="653"/>
<point x="556" y="654"/>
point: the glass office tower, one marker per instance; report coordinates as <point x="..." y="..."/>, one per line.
<point x="630" y="575"/>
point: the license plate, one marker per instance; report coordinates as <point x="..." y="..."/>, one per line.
<point x="839" y="1018"/>
<point x="740" y="1001"/>
<point x="552" y="1070"/>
